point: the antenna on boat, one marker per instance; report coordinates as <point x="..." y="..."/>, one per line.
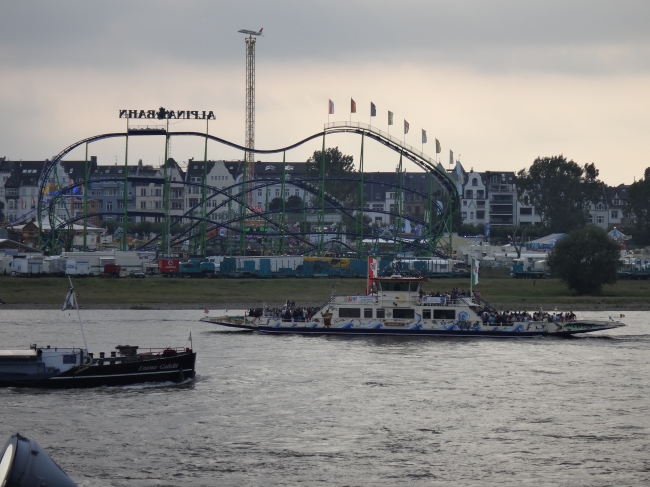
<point x="72" y="299"/>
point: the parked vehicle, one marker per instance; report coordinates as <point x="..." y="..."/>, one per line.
<point x="137" y="274"/>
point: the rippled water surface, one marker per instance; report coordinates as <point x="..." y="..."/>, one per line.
<point x="288" y="410"/>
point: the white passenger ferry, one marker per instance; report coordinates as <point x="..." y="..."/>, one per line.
<point x="397" y="306"/>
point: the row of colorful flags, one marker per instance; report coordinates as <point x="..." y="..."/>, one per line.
<point x="373" y="113"/>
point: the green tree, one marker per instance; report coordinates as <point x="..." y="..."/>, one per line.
<point x="638" y="204"/>
<point x="586" y="259"/>
<point x="275" y="204"/>
<point x="337" y="165"/>
<point x="293" y="202"/>
<point x="560" y="191"/>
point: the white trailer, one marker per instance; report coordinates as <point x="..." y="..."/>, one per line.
<point x="54" y="266"/>
<point x="5" y="264"/>
<point x="126" y="260"/>
<point x="77" y="267"/>
<point x="26" y="266"/>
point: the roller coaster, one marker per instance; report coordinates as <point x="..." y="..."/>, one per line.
<point x="441" y="199"/>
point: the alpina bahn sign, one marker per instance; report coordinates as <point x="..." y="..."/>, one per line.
<point x="162" y="114"/>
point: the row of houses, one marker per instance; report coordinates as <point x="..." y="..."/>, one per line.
<point x="486" y="197"/>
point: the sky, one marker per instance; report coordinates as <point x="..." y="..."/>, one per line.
<point x="499" y="82"/>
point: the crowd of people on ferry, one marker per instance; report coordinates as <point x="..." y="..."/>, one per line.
<point x="451" y="297"/>
<point x="289" y="312"/>
<point x="507" y="317"/>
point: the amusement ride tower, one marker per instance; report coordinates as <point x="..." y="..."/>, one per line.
<point x="250" y="106"/>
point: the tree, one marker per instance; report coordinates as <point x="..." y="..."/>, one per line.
<point x="638" y="204"/>
<point x="560" y="191"/>
<point x="337" y="165"/>
<point x="586" y="259"/>
<point x="294" y="202"/>
<point x="275" y="204"/>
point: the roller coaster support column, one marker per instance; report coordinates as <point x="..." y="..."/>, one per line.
<point x="228" y="231"/>
<point x="125" y="200"/>
<point x="398" y="196"/>
<point x="86" y="200"/>
<point x="165" y="249"/>
<point x="282" y="194"/>
<point x="321" y="215"/>
<point x="430" y="210"/>
<point x="361" y="203"/>
<point x="204" y="203"/>
<point x="242" y="208"/>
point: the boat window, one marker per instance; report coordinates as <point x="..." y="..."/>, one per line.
<point x="415" y="286"/>
<point x="444" y="314"/>
<point x="69" y="359"/>
<point x="349" y="312"/>
<point x="367" y="312"/>
<point x="381" y="313"/>
<point x="426" y="314"/>
<point x="395" y="286"/>
<point x="403" y="313"/>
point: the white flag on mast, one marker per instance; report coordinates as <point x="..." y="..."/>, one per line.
<point x="475" y="264"/>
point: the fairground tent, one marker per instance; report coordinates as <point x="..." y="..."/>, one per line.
<point x="545" y="243"/>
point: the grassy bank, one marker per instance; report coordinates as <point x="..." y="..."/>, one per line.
<point x="161" y="292"/>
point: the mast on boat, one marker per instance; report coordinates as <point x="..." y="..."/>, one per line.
<point x="71" y="299"/>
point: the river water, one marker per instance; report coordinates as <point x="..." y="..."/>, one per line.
<point x="288" y="410"/>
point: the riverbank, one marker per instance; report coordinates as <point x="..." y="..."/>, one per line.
<point x="164" y="293"/>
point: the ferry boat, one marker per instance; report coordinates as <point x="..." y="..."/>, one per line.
<point x="49" y="367"/>
<point x="397" y="305"/>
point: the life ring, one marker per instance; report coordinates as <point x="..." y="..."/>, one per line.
<point x="388" y="314"/>
<point x="87" y="360"/>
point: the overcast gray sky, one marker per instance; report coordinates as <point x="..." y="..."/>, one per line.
<point x="498" y="82"/>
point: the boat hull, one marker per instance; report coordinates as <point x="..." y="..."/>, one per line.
<point x="163" y="369"/>
<point x="523" y="330"/>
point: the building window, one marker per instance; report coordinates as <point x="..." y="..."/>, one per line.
<point x="463" y="215"/>
<point x="277" y="193"/>
<point x="591" y="218"/>
<point x="474" y="182"/>
<point x="480" y="215"/>
<point x="616" y="201"/>
<point x="377" y="207"/>
<point x="469" y="194"/>
<point x="525" y="211"/>
<point x="297" y="192"/>
<point x="109" y="206"/>
<point x="259" y="192"/>
<point x="600" y="219"/>
<point x="464" y="203"/>
<point x="479" y="193"/>
<point x="600" y="206"/>
<point x="614" y="213"/>
<point x="143" y="205"/>
<point x="143" y="191"/>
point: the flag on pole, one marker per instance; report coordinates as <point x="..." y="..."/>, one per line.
<point x="331" y="108"/>
<point x="406" y="127"/>
<point x="451" y="158"/>
<point x="424" y="136"/>
<point x="438" y="148"/>
<point x="373" y="110"/>
<point x="372" y="273"/>
<point x="474" y="272"/>
<point x="353" y="106"/>
<point x="69" y="300"/>
<point x="190" y="337"/>
<point x="390" y="118"/>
